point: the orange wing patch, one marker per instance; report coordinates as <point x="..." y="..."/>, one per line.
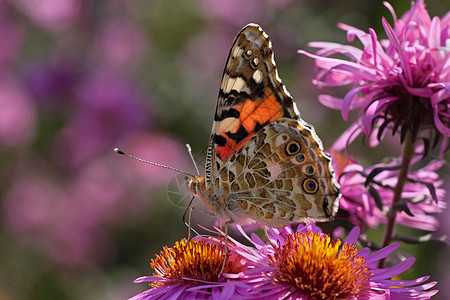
<point x="252" y="112"/>
<point x="260" y="110"/>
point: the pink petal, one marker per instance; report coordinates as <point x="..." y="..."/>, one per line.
<point x="434" y="37"/>
<point x="328" y="63"/>
<point x="347" y="137"/>
<point x="391" y="9"/>
<point x="396" y="44"/>
<point x="382" y="253"/>
<point x="348" y="101"/>
<point x="330" y="101"/>
<point x="331" y="48"/>
<point x="395" y="270"/>
<point x="353" y="235"/>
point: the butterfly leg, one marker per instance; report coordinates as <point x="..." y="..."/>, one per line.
<point x="189" y="208"/>
<point x="266" y="234"/>
<point x="226" y="248"/>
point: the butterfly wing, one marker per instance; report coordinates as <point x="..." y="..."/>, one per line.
<point x="251" y="96"/>
<point x="282" y="175"/>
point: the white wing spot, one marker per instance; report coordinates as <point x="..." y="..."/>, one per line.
<point x="229" y="85"/>
<point x="249" y="52"/>
<point x="257" y="76"/>
<point x="239" y="84"/>
<point x="255" y="61"/>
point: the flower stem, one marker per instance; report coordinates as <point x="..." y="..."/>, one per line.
<point x="407" y="154"/>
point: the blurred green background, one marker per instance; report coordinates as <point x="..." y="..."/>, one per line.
<point x="79" y="77"/>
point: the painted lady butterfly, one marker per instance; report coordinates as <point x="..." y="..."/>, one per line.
<point x="264" y="163"/>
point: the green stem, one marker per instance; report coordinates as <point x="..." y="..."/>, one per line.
<point x="407" y="154"/>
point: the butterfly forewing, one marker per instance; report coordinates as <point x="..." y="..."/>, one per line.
<point x="251" y="96"/>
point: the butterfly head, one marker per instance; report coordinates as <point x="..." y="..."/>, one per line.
<point x="197" y="186"/>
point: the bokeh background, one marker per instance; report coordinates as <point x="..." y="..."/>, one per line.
<point x="79" y="77"/>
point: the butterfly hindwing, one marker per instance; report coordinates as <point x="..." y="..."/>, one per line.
<point x="281" y="175"/>
<point x="251" y="96"/>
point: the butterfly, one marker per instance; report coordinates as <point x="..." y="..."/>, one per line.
<point x="264" y="163"/>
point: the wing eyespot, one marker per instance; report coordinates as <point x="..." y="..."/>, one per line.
<point x="310" y="185"/>
<point x="300" y="157"/>
<point x="309" y="170"/>
<point x="292" y="148"/>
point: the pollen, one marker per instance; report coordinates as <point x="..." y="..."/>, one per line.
<point x="320" y="268"/>
<point x="192" y="262"/>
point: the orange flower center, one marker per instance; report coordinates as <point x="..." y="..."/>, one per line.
<point x="314" y="265"/>
<point x="193" y="260"/>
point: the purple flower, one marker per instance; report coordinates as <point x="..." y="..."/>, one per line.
<point x="366" y="198"/>
<point x="190" y="270"/>
<point x="402" y="82"/>
<point x="109" y="108"/>
<point x="53" y="82"/>
<point x="307" y="264"/>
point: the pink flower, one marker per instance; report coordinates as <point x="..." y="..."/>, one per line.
<point x="17" y="114"/>
<point x="367" y="194"/>
<point x="119" y="44"/>
<point x="307" y="264"/>
<point x="238" y="12"/>
<point x="50" y="14"/>
<point x="191" y="270"/>
<point x="302" y="264"/>
<point x="402" y="83"/>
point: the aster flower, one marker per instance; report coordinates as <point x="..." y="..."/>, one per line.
<point x="367" y="193"/>
<point x="400" y="83"/>
<point x="307" y="264"/>
<point x="190" y="270"/>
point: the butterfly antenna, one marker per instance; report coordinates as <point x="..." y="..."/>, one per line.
<point x="192" y="158"/>
<point x="118" y="151"/>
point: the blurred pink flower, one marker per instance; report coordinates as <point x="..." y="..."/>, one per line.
<point x="109" y="107"/>
<point x="17" y="114"/>
<point x="51" y="14"/>
<point x="240" y="12"/>
<point x="402" y="82"/>
<point x="119" y="44"/>
<point x="422" y="195"/>
<point x="11" y="38"/>
<point x="67" y="217"/>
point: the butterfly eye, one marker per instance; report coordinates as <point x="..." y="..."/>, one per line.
<point x="310" y="186"/>
<point x="292" y="148"/>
